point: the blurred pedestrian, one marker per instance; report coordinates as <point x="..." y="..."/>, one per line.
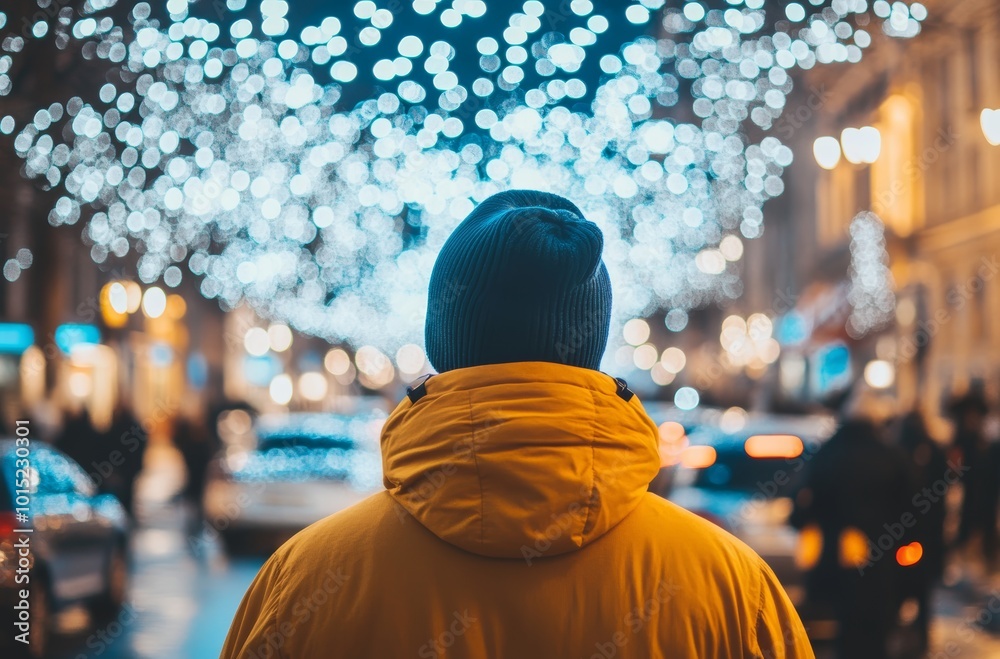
<point x="929" y="474"/>
<point x="197" y="445"/>
<point x="978" y="522"/>
<point x="79" y="440"/>
<point x="516" y="520"/>
<point x="856" y="492"/>
<point x="128" y="438"/>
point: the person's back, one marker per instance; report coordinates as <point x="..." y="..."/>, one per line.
<point x="516" y="520"/>
<point x="856" y="491"/>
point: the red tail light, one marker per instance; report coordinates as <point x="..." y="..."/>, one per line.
<point x="8" y="522"/>
<point x="910" y="554"/>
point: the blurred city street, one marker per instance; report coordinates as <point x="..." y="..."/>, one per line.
<point x="252" y="252"/>
<point x="183" y="593"/>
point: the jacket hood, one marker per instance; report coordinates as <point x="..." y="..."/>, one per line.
<point x="524" y="459"/>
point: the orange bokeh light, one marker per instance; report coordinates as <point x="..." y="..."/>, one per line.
<point x="773" y="446"/>
<point x="910" y="554"/>
<point x="698" y="457"/>
<point x="673" y="441"/>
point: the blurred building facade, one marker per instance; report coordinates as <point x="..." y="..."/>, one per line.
<point x="933" y="183"/>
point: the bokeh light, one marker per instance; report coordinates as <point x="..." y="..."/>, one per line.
<point x="313" y="170"/>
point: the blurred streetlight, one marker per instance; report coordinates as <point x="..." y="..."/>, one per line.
<point x="256" y="342"/>
<point x="636" y="331"/>
<point x="154" y="302"/>
<point x="337" y="361"/>
<point x="313" y="385"/>
<point x="281" y="389"/>
<point x="990" y="122"/>
<point x="118" y="297"/>
<point x="861" y="145"/>
<point x="880" y="374"/>
<point x="826" y="150"/>
<point x="280" y="337"/>
<point x="134" y="296"/>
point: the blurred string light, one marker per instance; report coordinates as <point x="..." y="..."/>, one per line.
<point x="749" y="343"/>
<point x="22" y="261"/>
<point x="231" y="146"/>
<point x="873" y="303"/>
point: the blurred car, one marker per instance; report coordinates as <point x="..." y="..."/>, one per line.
<point x="77" y="546"/>
<point x="302" y="468"/>
<point x="742" y="477"/>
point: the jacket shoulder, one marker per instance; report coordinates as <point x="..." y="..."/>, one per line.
<point x="698" y="539"/>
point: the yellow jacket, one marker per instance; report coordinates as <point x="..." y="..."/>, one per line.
<point x="516" y="524"/>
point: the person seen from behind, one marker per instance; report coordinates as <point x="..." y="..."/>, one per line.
<point x="978" y="517"/>
<point x="855" y="492"/>
<point x="930" y="473"/>
<point x="516" y="520"/>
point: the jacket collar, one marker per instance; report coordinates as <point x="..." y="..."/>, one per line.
<point x="518" y="460"/>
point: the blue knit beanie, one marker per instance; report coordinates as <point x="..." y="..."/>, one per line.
<point x="520" y="279"/>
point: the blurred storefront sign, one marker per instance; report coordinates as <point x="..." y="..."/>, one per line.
<point x="15" y="338"/>
<point x="69" y="335"/>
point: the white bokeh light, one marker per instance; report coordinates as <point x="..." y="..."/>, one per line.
<point x="239" y="150"/>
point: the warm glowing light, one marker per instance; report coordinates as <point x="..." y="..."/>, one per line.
<point x="80" y="384"/>
<point x="698" y="457"/>
<point x="710" y="261"/>
<point x="256" y="342"/>
<point x="410" y="358"/>
<point x="279" y="336"/>
<point x="861" y="145"/>
<point x="989" y="120"/>
<point x="733" y="420"/>
<point x="176" y="307"/>
<point x="673" y="441"/>
<point x="853" y="548"/>
<point x="826" y="150"/>
<point x="880" y="374"/>
<point x="118" y="297"/>
<point x="337" y="361"/>
<point x="114" y="305"/>
<point x="134" y="296"/>
<point x="809" y="548"/>
<point x="910" y="554"/>
<point x="154" y="302"/>
<point x="636" y="331"/>
<point x="645" y="356"/>
<point x="281" y="389"/>
<point x="660" y="375"/>
<point x="673" y="359"/>
<point x="773" y="446"/>
<point x="731" y="247"/>
<point x="313" y="386"/>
